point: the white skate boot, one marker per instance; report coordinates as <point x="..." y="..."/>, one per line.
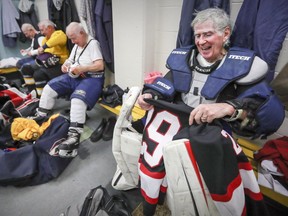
<point x="68" y="148"/>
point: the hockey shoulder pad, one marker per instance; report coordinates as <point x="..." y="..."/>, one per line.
<point x="162" y="86"/>
<point x="264" y="118"/>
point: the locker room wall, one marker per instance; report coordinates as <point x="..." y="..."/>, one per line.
<point x="150" y="30"/>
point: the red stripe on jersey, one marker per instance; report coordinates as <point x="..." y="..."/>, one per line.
<point x="155" y="175"/>
<point x="230" y="189"/>
<point x="148" y="199"/>
<point x="252" y="195"/>
<point x="163" y="189"/>
<point x="245" y="166"/>
<point x="26" y="103"/>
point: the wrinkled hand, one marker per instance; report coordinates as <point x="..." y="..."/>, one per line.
<point x="142" y="103"/>
<point x="23" y="52"/>
<point x="65" y="68"/>
<point x="76" y="69"/>
<point x="208" y="112"/>
<point x="40" y="50"/>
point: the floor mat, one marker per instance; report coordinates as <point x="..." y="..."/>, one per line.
<point x="86" y="133"/>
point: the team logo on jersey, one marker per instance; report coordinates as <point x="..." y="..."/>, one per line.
<point x="81" y="92"/>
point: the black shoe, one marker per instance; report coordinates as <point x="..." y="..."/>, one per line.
<point x="109" y="129"/>
<point x="97" y="134"/>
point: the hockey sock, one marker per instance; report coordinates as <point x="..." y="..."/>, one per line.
<point x="161" y="198"/>
<point x="148" y="209"/>
<point x="78" y="111"/>
<point x="48" y="97"/>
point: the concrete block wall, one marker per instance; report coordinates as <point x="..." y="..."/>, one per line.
<point x="144" y="35"/>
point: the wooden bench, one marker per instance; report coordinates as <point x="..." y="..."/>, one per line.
<point x="137" y="112"/>
<point x="248" y="148"/>
<point x="8" y="70"/>
<point x="12" y="74"/>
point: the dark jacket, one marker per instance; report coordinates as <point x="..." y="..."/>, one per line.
<point x="28" y="16"/>
<point x="265" y="31"/>
<point x="104" y="30"/>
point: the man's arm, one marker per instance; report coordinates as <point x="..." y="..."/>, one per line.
<point x="57" y="38"/>
<point x="96" y="66"/>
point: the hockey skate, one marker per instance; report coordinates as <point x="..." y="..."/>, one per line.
<point x="69" y="147"/>
<point x="40" y="115"/>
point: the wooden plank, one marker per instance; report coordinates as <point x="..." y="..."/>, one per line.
<point x="283" y="200"/>
<point x="248" y="144"/>
<point x="8" y="70"/>
<point x="248" y="153"/>
<point x="137" y="112"/>
<point x="115" y="110"/>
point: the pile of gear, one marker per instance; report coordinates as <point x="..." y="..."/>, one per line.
<point x="28" y="148"/>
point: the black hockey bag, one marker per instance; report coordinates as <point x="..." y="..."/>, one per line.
<point x="98" y="202"/>
<point x="36" y="162"/>
<point x="112" y="95"/>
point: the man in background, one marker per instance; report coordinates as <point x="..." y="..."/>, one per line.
<point x="51" y="55"/>
<point x="82" y="80"/>
<point x="31" y="52"/>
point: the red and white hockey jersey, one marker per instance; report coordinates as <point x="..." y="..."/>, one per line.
<point x="221" y="161"/>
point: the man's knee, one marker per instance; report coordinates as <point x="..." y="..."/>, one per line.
<point x="40" y="76"/>
<point x="19" y="64"/>
<point x="27" y="69"/>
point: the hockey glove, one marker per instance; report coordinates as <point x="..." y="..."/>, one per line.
<point x="162" y="86"/>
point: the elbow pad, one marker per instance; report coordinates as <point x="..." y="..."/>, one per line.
<point x="265" y="112"/>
